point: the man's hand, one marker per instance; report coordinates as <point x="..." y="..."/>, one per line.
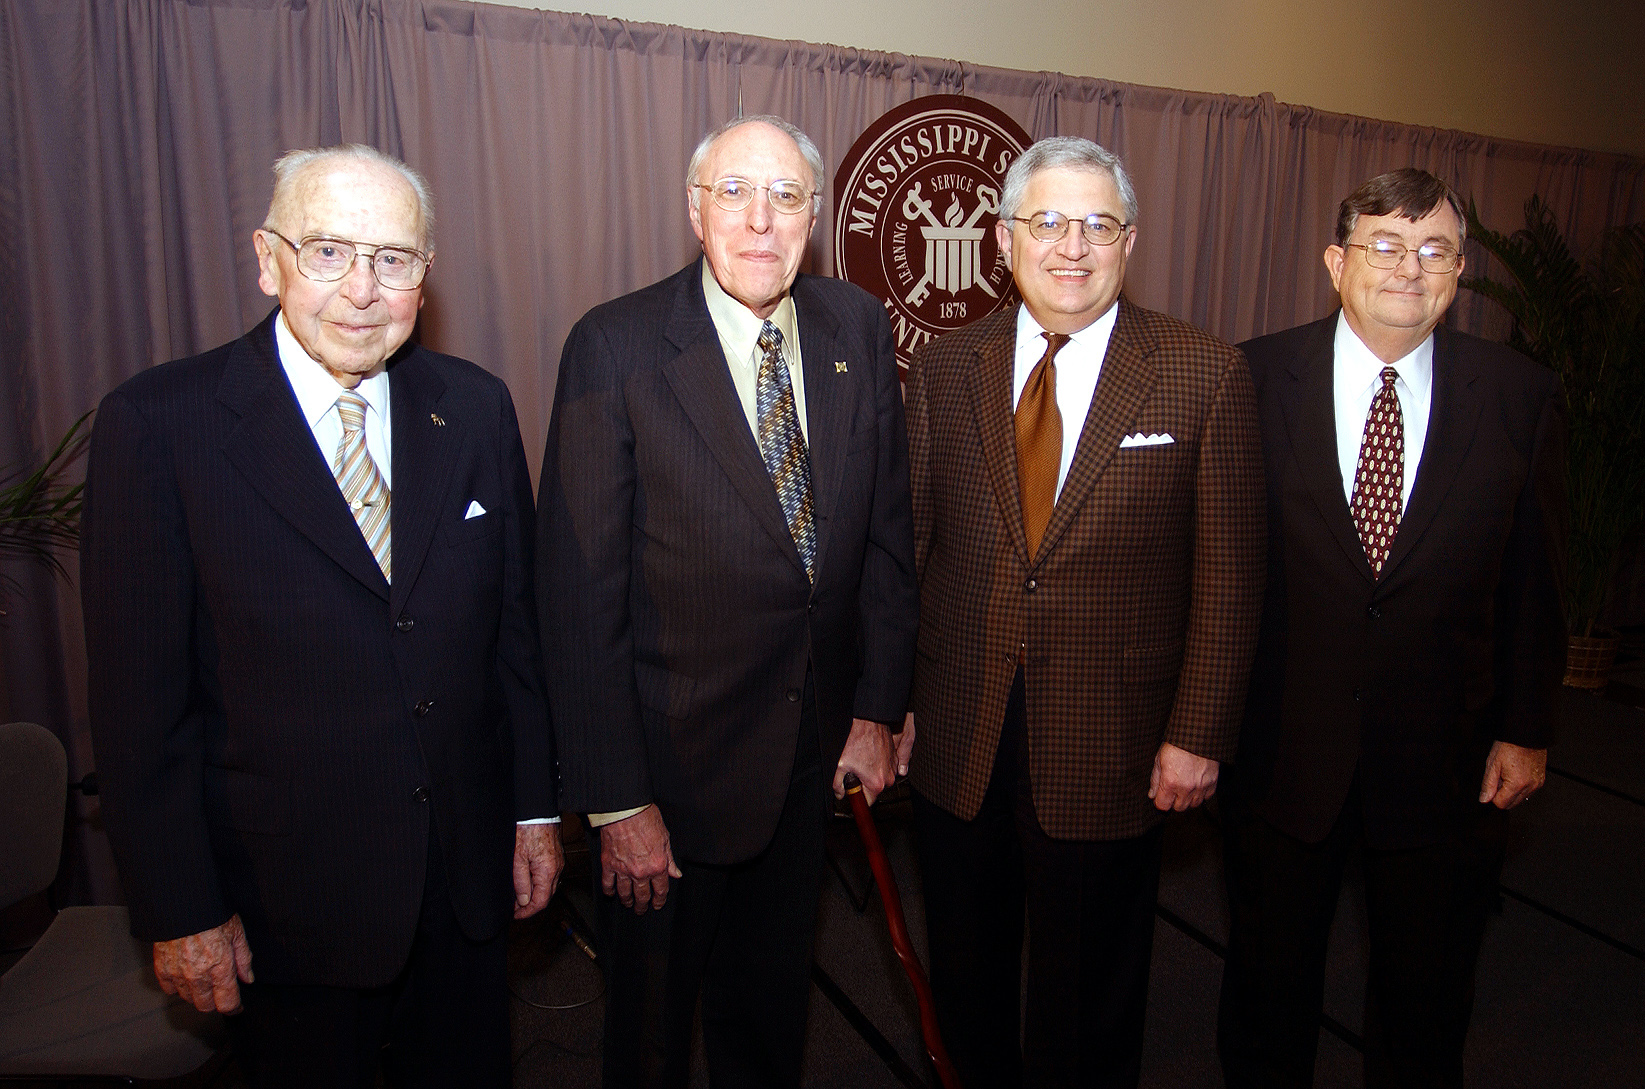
<point x="1512" y="774"/>
<point x="905" y="745"/>
<point x="1180" y="779"/>
<point x="206" y="968"/>
<point x="870" y="755"/>
<point x="538" y="860"/>
<point x="636" y="860"/>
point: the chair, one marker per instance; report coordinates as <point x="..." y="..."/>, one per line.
<point x="83" y="1003"/>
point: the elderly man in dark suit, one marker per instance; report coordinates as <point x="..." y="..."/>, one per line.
<point x="316" y="696"/>
<point x="728" y="609"/>
<point x="1088" y="529"/>
<point x="1406" y="683"/>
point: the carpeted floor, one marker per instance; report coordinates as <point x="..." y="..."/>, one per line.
<point x="1561" y="983"/>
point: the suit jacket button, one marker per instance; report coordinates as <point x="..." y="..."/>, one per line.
<point x="793" y="695"/>
<point x="1373" y="612"/>
<point x="403" y="624"/>
<point x="424" y="707"/>
<point x="419" y="795"/>
<point x="1356" y="695"/>
<point x="1031" y="585"/>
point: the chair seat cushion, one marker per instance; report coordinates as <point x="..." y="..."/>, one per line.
<point x="84" y="1002"/>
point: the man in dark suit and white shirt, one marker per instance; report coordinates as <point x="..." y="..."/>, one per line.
<point x="315" y="690"/>
<point x="1406" y="683"/>
<point x="728" y="605"/>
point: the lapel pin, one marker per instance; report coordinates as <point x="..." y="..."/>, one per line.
<point x="435" y="416"/>
<point x="839" y="366"/>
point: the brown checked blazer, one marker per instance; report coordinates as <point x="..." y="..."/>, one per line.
<point x="1135" y="623"/>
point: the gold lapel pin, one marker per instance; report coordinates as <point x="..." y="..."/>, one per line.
<point x="839" y="366"/>
<point x="435" y="416"/>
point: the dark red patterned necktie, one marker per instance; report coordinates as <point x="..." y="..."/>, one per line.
<point x="1379" y="477"/>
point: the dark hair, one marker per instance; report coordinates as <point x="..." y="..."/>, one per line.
<point x="1408" y="192"/>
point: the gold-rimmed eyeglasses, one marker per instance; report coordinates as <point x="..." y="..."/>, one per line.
<point x="735" y="194"/>
<point x="1099" y="229"/>
<point x="330" y="259"/>
<point x="1385" y="253"/>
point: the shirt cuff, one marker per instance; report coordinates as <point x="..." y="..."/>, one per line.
<point x="540" y="820"/>
<point x="598" y="820"/>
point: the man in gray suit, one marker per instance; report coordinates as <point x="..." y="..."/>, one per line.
<point x="728" y="602"/>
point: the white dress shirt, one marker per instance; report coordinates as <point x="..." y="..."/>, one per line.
<point x="739" y="333"/>
<point x="1079" y="364"/>
<point x="1356" y="375"/>
<point x="317" y="392"/>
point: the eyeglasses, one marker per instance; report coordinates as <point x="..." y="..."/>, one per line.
<point x="330" y="259"/>
<point x="1099" y="229"/>
<point x="1385" y="253"/>
<point x="734" y="194"/>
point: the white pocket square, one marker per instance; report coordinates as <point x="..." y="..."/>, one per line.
<point x="474" y="510"/>
<point x="1139" y="439"/>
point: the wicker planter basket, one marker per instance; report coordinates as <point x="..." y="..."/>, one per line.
<point x="1588" y="660"/>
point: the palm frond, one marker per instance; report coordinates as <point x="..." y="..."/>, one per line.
<point x="39" y="513"/>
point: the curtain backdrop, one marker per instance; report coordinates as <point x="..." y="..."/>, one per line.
<point x="139" y="136"/>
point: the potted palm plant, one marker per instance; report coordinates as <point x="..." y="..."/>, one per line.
<point x="1586" y="322"/>
<point x="40" y="512"/>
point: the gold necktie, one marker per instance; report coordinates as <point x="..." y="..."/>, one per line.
<point x="1039" y="444"/>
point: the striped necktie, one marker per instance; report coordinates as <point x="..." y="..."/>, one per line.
<point x="782" y="444"/>
<point x="361" y="483"/>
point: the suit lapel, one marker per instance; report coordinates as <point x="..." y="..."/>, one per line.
<point x="828" y="404"/>
<point x="989" y="379"/>
<point x="1309" y="408"/>
<point x="702" y="384"/>
<point x="274" y="450"/>
<point x="422" y="466"/>
<point x="1124" y="384"/>
<point x="1453" y="417"/>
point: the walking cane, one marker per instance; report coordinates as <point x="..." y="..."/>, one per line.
<point x="899" y="932"/>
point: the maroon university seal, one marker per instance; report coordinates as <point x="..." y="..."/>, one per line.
<point x="915" y="205"/>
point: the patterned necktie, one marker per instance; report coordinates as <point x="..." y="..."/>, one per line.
<point x="782" y="444"/>
<point x="361" y="483"/>
<point x="1039" y="443"/>
<point x="1379" y="478"/>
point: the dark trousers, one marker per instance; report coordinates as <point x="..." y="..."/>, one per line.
<point x="1426" y="909"/>
<point x="1089" y="907"/>
<point x="442" y="1022"/>
<point x="739" y="937"/>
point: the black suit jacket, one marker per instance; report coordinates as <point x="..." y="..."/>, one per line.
<point x="1407" y="679"/>
<point x="277" y="729"/>
<point x="678" y="621"/>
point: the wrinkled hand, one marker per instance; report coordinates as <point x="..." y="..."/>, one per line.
<point x="206" y="969"/>
<point x="538" y="860"/>
<point x="1512" y="774"/>
<point x="870" y="756"/>
<point x="636" y="860"/>
<point x="905" y="744"/>
<point x="1180" y="779"/>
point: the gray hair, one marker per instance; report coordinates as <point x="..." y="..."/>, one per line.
<point x="289" y="167"/>
<point x="808" y="151"/>
<point x="1074" y="152"/>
